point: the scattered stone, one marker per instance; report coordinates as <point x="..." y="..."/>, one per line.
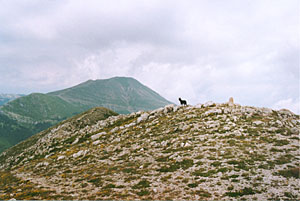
<point x="213" y="111"/>
<point x="42" y="164"/>
<point x="208" y="104"/>
<point x="130" y="125"/>
<point x="226" y="128"/>
<point x="60" y="157"/>
<point x="96" y="136"/>
<point x="258" y="123"/>
<point x="157" y="111"/>
<point x="286" y="112"/>
<point x="96" y="142"/>
<point x="143" y="117"/>
<point x="114" y="129"/>
<point x="80" y="153"/>
<point x="75" y="141"/>
<point x="168" y="108"/>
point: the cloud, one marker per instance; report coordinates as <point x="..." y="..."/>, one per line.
<point x="199" y="50"/>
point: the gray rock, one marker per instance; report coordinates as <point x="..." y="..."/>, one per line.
<point x="143" y="117"/>
<point x="213" y="111"/>
<point x="168" y="108"/>
<point x="76" y="141"/>
<point x="157" y="111"/>
<point x="114" y="130"/>
<point x="60" y="157"/>
<point x="80" y="153"/>
<point x="130" y="125"/>
<point x="96" y="136"/>
<point x="96" y="142"/>
<point x="258" y="123"/>
<point x="208" y="104"/>
<point x="285" y="112"/>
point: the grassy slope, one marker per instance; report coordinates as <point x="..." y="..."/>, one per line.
<point x="123" y="95"/>
<point x="39" y="107"/>
<point x="11" y="132"/>
<point x="4" y="98"/>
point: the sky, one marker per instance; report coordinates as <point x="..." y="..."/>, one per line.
<point x="199" y="50"/>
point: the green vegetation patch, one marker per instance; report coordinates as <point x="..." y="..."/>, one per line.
<point x="192" y="185"/>
<point x="202" y="193"/>
<point x="142" y="184"/>
<point x="242" y="192"/>
<point x="96" y="181"/>
<point x="143" y="193"/>
<point x="281" y="142"/>
<point x="239" y="164"/>
<point x="185" y="164"/>
<point x="283" y="159"/>
<point x="203" y="173"/>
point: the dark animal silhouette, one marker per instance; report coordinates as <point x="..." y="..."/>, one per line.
<point x="182" y="102"/>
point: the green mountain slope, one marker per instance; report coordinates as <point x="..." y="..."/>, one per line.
<point x="40" y="107"/>
<point x="4" y="98"/>
<point x="120" y="94"/>
<point x="11" y="132"/>
<point x="209" y="151"/>
<point x="35" y="112"/>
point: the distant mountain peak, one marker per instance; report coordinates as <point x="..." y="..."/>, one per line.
<point x="38" y="111"/>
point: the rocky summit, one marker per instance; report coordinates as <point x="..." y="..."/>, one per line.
<point x="204" y="152"/>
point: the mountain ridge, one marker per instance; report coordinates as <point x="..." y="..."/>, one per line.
<point x="208" y="151"/>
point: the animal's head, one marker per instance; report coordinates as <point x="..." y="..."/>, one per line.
<point x="179" y="99"/>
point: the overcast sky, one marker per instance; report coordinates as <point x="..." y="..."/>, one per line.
<point x="199" y="50"/>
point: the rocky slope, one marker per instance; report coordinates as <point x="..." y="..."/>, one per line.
<point x="208" y="151"/>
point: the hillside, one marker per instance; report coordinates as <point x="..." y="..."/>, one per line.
<point x="36" y="112"/>
<point x="120" y="94"/>
<point x="208" y="151"/>
<point x="4" y="98"/>
<point x="40" y="107"/>
<point x="11" y="131"/>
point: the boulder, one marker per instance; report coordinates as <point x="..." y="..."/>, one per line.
<point x="60" y="157"/>
<point x="76" y="141"/>
<point x="96" y="142"/>
<point x="96" y="136"/>
<point x="257" y="123"/>
<point x="208" y="104"/>
<point x="286" y="112"/>
<point x="80" y="153"/>
<point x="168" y="108"/>
<point x="143" y="117"/>
<point x="157" y="111"/>
<point x="213" y="111"/>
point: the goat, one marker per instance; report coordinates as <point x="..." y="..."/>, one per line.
<point x="182" y="102"/>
